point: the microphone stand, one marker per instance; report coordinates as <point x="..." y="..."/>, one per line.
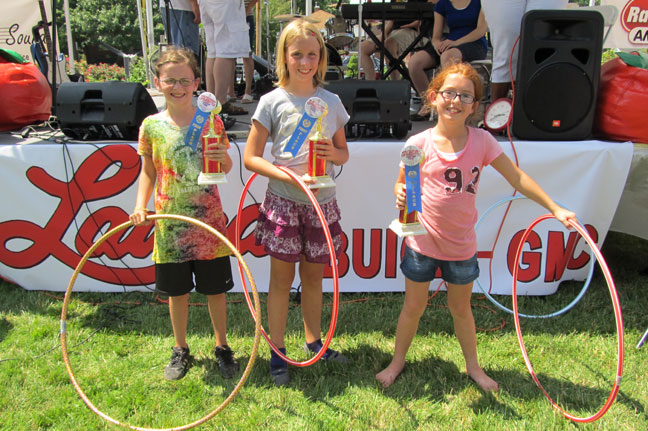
<point x="53" y="58"/>
<point x="167" y="7"/>
<point x="359" y="40"/>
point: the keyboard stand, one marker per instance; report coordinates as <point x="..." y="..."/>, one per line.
<point x="395" y="63"/>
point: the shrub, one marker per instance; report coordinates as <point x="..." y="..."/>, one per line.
<point x="110" y="72"/>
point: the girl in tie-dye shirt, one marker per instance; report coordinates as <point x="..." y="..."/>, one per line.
<point x="183" y="252"/>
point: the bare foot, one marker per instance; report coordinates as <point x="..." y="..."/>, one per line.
<point x="484" y="382"/>
<point x="387" y="376"/>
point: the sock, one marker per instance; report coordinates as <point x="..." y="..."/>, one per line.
<point x="315" y="346"/>
<point x="275" y="361"/>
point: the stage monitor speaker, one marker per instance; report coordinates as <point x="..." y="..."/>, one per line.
<point x="558" y="73"/>
<point x="376" y="105"/>
<point x="103" y="110"/>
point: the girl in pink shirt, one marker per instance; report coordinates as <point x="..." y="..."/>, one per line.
<point x="455" y="156"/>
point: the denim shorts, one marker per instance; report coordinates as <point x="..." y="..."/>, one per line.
<point x="420" y="268"/>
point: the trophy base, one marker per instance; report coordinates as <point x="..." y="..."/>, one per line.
<point x="211" y="178"/>
<point x="322" y="182"/>
<point x="407" y="229"/>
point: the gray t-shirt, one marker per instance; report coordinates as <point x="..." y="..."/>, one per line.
<point x="279" y="112"/>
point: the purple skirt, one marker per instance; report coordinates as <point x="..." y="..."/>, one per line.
<point x="288" y="229"/>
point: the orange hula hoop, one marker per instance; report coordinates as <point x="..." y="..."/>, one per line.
<point x="256" y="313"/>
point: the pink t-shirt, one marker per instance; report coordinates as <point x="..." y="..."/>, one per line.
<point x="448" y="189"/>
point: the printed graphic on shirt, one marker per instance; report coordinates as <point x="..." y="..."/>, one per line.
<point x="454" y="178"/>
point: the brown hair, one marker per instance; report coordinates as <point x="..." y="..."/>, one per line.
<point x="299" y="28"/>
<point x="177" y="55"/>
<point x="463" y="69"/>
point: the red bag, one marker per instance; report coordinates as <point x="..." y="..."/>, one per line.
<point x="26" y="95"/>
<point x="622" y="102"/>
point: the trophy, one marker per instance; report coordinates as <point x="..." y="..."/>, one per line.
<point x="211" y="170"/>
<point x="317" y="165"/>
<point x="314" y="112"/>
<point x="407" y="223"/>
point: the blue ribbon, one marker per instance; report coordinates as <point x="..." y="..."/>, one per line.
<point x="195" y="128"/>
<point x="413" y="187"/>
<point x="298" y="137"/>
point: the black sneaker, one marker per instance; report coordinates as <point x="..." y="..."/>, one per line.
<point x="227" y="365"/>
<point x="179" y="364"/>
<point x="280" y="376"/>
<point x="329" y="356"/>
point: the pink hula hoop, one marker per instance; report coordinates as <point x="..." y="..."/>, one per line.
<point x="329" y="242"/>
<point x="617" y="315"/>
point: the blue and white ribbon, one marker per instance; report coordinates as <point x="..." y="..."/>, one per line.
<point x="314" y="108"/>
<point x="207" y="103"/>
<point x="411" y="155"/>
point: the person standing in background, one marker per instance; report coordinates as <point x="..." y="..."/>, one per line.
<point x="248" y="62"/>
<point x="184" y="16"/>
<point x="226" y="33"/>
<point x="504" y="18"/>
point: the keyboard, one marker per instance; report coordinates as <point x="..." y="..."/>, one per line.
<point x="387" y="11"/>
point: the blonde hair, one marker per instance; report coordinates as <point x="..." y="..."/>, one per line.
<point x="462" y="69"/>
<point x="177" y="55"/>
<point x="295" y="29"/>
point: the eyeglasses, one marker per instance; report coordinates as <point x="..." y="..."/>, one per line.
<point x="182" y="81"/>
<point x="449" y="95"/>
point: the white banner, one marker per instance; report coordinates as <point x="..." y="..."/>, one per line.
<point x="58" y="199"/>
<point x="16" y="22"/>
<point x="630" y="30"/>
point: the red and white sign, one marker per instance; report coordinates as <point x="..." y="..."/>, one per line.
<point x="631" y="27"/>
<point x="59" y="199"/>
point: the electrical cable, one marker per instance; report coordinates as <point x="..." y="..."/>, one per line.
<point x="515" y="155"/>
<point x="617" y="314"/>
<point x="329" y="242"/>
<point x="255" y="310"/>
<point x="66" y="151"/>
<point x="233" y="141"/>
<point x="494" y="301"/>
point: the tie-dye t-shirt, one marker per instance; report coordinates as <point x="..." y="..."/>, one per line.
<point x="177" y="192"/>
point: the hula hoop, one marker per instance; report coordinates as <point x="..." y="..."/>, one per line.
<point x="496" y="303"/>
<point x="336" y="287"/>
<point x="617" y="315"/>
<point x="256" y="312"/>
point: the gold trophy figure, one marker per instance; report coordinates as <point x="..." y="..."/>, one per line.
<point x="211" y="171"/>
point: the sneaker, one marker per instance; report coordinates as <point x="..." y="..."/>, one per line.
<point x="179" y="364"/>
<point x="227" y="365"/>
<point x="279" y="368"/>
<point x="280" y="376"/>
<point x="329" y="356"/>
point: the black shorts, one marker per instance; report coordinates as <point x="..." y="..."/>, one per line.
<point x="211" y="276"/>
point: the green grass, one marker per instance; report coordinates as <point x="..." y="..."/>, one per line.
<point x="119" y="349"/>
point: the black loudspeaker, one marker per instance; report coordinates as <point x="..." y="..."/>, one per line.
<point x="558" y="73"/>
<point x="103" y="110"/>
<point x="379" y="106"/>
